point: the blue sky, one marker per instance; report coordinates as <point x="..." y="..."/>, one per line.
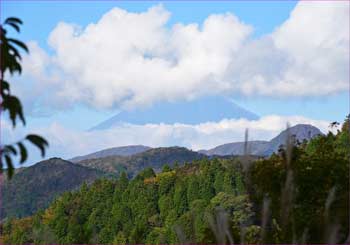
<point x="40" y="18"/>
<point x="267" y="34"/>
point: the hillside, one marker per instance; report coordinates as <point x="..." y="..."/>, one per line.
<point x="215" y="201"/>
<point x="154" y="158"/>
<point x="237" y="148"/>
<point x="115" y="151"/>
<point x="265" y="148"/>
<point x="34" y="187"/>
<point x="300" y="132"/>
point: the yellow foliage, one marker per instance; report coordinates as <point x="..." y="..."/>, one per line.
<point x="151" y="180"/>
<point x="165" y="175"/>
<point x="159" y="177"/>
<point x="47" y="216"/>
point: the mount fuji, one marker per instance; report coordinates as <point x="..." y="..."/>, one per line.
<point x="208" y="109"/>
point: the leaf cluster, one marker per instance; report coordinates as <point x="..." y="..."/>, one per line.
<point x="10" y="64"/>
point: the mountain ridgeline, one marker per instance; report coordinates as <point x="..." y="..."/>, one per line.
<point x="154" y="158"/>
<point x="299" y="196"/>
<point x="33" y="188"/>
<point x="115" y="151"/>
<point x="300" y="133"/>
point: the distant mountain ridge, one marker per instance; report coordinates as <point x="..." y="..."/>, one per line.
<point x="34" y="187"/>
<point x="115" y="151"/>
<point x="133" y="164"/>
<point x="265" y="148"/>
<point x="300" y="132"/>
<point x="258" y="147"/>
<point x="187" y="112"/>
<point x="237" y="148"/>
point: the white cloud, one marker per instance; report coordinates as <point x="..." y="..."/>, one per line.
<point x="132" y="59"/>
<point x="68" y="143"/>
<point x="306" y="56"/>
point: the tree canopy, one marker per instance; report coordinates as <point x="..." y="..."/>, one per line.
<point x="208" y="201"/>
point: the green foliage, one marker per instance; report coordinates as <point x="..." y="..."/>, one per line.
<point x="209" y="201"/>
<point x="317" y="191"/>
<point x="180" y="198"/>
<point x="157" y="159"/>
<point x="151" y="208"/>
<point x="33" y="188"/>
<point x="166" y="168"/>
<point x="120" y="238"/>
<point x="10" y="63"/>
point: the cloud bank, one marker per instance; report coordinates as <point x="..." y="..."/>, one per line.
<point x="68" y="143"/>
<point x="135" y="59"/>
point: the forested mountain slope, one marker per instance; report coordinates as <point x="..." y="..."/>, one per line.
<point x="115" y="151"/>
<point x="300" y="132"/>
<point x="296" y="196"/>
<point x="33" y="188"/>
<point x="154" y="158"/>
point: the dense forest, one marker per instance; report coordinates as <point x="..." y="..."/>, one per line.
<point x="34" y="188"/>
<point x="298" y="195"/>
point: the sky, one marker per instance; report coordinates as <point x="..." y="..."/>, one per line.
<point x="283" y="61"/>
